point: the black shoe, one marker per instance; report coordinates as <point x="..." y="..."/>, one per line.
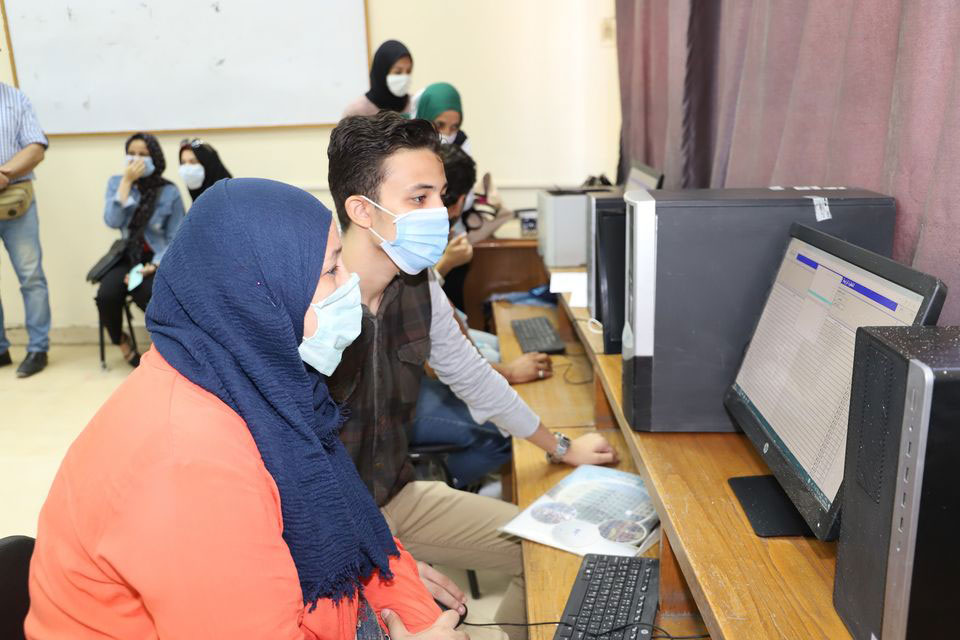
<point x="5" y="358"/>
<point x="35" y="362"/>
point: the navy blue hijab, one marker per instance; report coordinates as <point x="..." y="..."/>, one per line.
<point x="227" y="313"/>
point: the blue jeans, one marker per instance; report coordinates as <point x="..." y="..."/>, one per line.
<point x="442" y="418"/>
<point x="22" y="239"/>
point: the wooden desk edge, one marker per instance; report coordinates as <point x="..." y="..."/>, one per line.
<point x="506" y="243"/>
<point x="632" y="439"/>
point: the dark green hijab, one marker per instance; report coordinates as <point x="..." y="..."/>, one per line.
<point x="437" y="98"/>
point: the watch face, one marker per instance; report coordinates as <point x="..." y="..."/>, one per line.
<point x="563" y="445"/>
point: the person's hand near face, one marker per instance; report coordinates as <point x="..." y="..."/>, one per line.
<point x="135" y="168"/>
<point x="457" y="253"/>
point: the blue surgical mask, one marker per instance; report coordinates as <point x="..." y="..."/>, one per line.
<point x="339" y="317"/>
<point x="421" y="237"/>
<point x="148" y="167"/>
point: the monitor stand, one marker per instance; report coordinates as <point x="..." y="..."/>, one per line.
<point x="770" y="511"/>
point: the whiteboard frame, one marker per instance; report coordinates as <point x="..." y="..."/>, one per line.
<point x="319" y="125"/>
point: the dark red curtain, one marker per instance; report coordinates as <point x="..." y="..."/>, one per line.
<point x="813" y="92"/>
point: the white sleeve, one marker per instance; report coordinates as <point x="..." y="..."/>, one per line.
<point x="460" y="366"/>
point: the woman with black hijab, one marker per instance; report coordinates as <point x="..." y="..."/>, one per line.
<point x="200" y="166"/>
<point x="148" y="210"/>
<point x="389" y="82"/>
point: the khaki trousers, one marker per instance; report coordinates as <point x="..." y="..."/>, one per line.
<point x="441" y="525"/>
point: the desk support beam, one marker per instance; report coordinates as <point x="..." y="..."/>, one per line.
<point x="675" y="596"/>
<point x="602" y="411"/>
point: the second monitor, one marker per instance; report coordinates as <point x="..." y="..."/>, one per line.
<point x="791" y="395"/>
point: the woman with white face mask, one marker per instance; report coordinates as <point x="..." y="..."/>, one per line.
<point x="389" y="82"/>
<point x="440" y="104"/>
<point x="210" y="496"/>
<point x="200" y="166"/>
<point x="148" y="210"/>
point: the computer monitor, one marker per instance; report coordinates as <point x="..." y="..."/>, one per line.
<point x="642" y="176"/>
<point x="791" y="395"/>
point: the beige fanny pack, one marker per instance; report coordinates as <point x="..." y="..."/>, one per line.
<point x="15" y="200"/>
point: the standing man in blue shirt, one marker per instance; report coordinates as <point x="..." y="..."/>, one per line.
<point x="22" y="145"/>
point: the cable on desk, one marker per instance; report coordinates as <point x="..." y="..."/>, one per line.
<point x="593" y="325"/>
<point x="664" y="633"/>
<point x="569" y="367"/>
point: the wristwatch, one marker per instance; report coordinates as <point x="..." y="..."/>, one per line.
<point x="563" y="445"/>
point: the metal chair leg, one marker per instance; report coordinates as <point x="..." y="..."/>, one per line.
<point x="133" y="336"/>
<point x="103" y="353"/>
<point x="474" y="584"/>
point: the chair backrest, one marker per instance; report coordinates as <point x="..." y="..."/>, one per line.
<point x="15" y="552"/>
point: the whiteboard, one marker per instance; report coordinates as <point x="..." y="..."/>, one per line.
<point x="129" y="65"/>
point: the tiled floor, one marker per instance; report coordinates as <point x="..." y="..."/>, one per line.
<point x="40" y="417"/>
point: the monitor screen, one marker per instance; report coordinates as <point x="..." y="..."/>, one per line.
<point x="796" y="374"/>
<point x="791" y="394"/>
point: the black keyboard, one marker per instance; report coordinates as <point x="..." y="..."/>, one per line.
<point x="612" y="592"/>
<point x="537" y="334"/>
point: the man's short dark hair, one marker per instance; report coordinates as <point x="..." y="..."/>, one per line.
<point x="461" y="173"/>
<point x="359" y="145"/>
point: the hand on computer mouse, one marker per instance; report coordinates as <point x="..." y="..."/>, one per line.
<point x="443" y="589"/>
<point x="443" y="607"/>
<point x="527" y="368"/>
<point x="591" y="448"/>
<point x="443" y="629"/>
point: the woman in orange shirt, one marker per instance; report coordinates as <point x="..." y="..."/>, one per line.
<point x="210" y="497"/>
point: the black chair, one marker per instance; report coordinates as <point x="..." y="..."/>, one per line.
<point x="133" y="336"/>
<point x="427" y="460"/>
<point x="15" y="552"/>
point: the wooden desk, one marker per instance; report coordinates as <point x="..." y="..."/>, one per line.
<point x="558" y="402"/>
<point x="549" y="572"/>
<point x="500" y="266"/>
<point x="743" y="586"/>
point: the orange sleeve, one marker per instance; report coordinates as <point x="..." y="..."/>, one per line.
<point x="405" y="595"/>
<point x="200" y="541"/>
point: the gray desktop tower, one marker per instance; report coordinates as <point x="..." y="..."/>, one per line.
<point x="561" y="218"/>
<point x="700" y="263"/>
<point x="897" y="562"/>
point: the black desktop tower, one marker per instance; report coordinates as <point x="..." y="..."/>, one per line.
<point x="897" y="561"/>
<point x="611" y="264"/>
<point x="606" y="264"/>
<point x="699" y="266"/>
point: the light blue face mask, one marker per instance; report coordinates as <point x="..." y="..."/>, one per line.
<point x="339" y="317"/>
<point x="148" y="167"/>
<point x="421" y="237"/>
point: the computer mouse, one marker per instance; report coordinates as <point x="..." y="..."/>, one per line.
<point x="463" y="616"/>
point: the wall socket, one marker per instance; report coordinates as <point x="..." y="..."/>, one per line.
<point x="608" y="30"/>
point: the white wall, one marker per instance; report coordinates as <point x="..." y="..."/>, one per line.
<point x="541" y="104"/>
